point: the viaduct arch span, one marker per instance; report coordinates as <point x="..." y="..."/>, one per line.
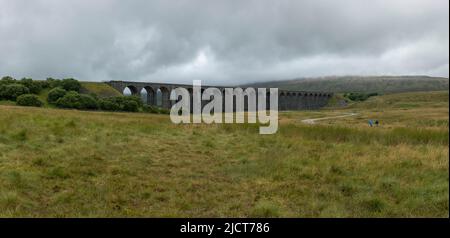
<point x="287" y="100"/>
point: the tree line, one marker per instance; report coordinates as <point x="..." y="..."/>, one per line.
<point x="65" y="93"/>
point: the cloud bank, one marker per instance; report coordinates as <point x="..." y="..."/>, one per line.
<point x="222" y="42"/>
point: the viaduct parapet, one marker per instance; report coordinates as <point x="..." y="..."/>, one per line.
<point x="287" y="100"/>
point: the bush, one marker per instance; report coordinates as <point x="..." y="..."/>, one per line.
<point x="55" y="94"/>
<point x="53" y="83"/>
<point x="43" y="84"/>
<point x="74" y="100"/>
<point x="109" y="104"/>
<point x="137" y="99"/>
<point x="12" y="91"/>
<point x="359" y="96"/>
<point x="121" y="103"/>
<point x="69" y="100"/>
<point x="29" y="100"/>
<point x="130" y="106"/>
<point x="70" y="84"/>
<point x="34" y="86"/>
<point x="88" y="102"/>
<point x="7" y="80"/>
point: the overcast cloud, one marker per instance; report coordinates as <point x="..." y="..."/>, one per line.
<point x="222" y="42"/>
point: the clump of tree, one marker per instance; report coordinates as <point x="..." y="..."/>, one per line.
<point x="65" y="93"/>
<point x="68" y="84"/>
<point x="55" y="94"/>
<point x="359" y="96"/>
<point x="12" y="91"/>
<point x="7" y="80"/>
<point x="29" y="100"/>
<point x="75" y="100"/>
<point x="128" y="104"/>
<point x="34" y="86"/>
<point x="121" y="103"/>
<point x="71" y="84"/>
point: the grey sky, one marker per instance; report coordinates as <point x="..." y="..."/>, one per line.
<point x="222" y="42"/>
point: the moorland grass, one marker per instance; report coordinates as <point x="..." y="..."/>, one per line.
<point x="68" y="163"/>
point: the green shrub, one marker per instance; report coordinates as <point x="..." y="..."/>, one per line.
<point x="12" y="91"/>
<point x="7" y="80"/>
<point x="137" y="99"/>
<point x="130" y="106"/>
<point x="359" y="96"/>
<point x="94" y="96"/>
<point x="120" y="103"/>
<point x="53" y="83"/>
<point x="43" y="84"/>
<point x="2" y="90"/>
<point x="74" y="100"/>
<point x="69" y="100"/>
<point x="29" y="100"/>
<point x="88" y="102"/>
<point x="34" y="86"/>
<point x="71" y="84"/>
<point x="55" y="94"/>
<point x="109" y="104"/>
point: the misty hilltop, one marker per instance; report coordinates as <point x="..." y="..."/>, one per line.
<point x="380" y="84"/>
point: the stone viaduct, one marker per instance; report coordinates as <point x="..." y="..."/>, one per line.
<point x="287" y="100"/>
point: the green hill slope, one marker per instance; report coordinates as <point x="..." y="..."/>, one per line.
<point x="100" y="89"/>
<point x="380" y="84"/>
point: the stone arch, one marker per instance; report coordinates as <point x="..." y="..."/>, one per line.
<point x="299" y="101"/>
<point x="148" y="94"/>
<point x="293" y="101"/>
<point x="163" y="97"/>
<point x="282" y="101"/>
<point x="130" y="90"/>
<point x="158" y="98"/>
<point x="307" y="100"/>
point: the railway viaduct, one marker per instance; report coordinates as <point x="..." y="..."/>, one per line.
<point x="287" y="100"/>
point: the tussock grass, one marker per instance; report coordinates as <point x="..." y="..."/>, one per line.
<point x="392" y="137"/>
<point x="68" y="163"/>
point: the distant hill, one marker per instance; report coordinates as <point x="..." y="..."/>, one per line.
<point x="380" y="84"/>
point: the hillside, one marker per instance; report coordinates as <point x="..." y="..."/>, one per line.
<point x="380" y="84"/>
<point x="99" y="89"/>
<point x="69" y="163"/>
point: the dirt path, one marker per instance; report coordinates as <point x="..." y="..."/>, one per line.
<point x="313" y="120"/>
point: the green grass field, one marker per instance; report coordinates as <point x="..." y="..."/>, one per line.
<point x="67" y="163"/>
